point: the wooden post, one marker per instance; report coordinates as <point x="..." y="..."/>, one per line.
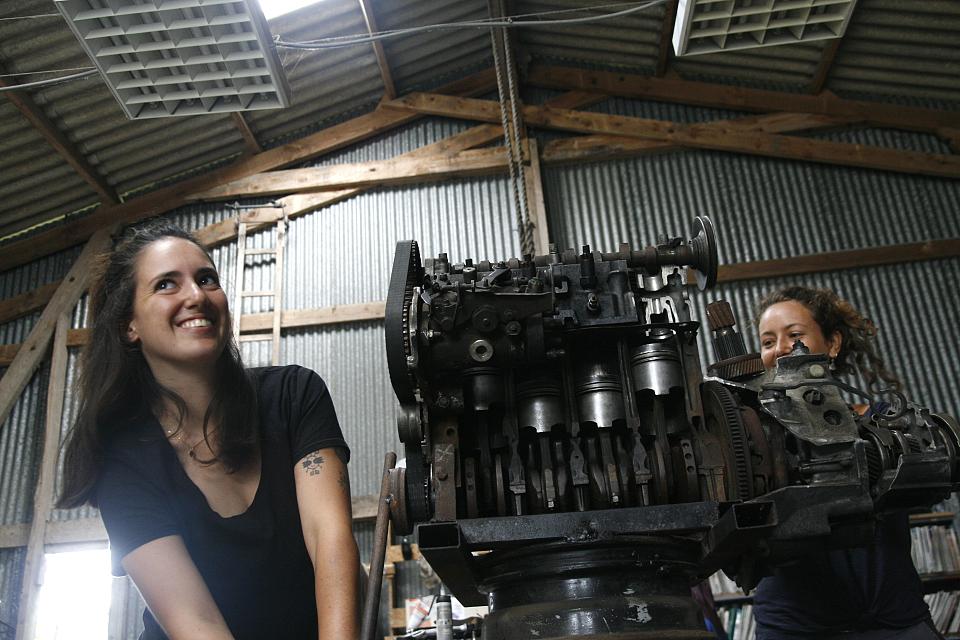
<point x="278" y="266"/>
<point x="538" y="208"/>
<point x="43" y="496"/>
<point x="32" y="350"/>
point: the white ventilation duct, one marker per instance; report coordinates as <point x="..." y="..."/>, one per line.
<point x="180" y="57"/>
<point x="708" y="26"/>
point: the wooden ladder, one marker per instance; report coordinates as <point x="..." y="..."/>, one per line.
<point x="257" y="219"/>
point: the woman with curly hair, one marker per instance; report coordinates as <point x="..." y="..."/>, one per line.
<point x="834" y="326"/>
<point x="867" y="593"/>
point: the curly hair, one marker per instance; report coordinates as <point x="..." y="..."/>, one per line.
<point x="834" y="314"/>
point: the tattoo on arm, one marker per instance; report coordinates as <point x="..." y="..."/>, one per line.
<point x="313" y="463"/>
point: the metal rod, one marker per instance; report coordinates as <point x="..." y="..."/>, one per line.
<point x="372" y="605"/>
<point x="236" y="206"/>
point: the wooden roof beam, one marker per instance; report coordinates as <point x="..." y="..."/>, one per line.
<point x="249" y="140"/>
<point x="34" y="348"/>
<point x="168" y="198"/>
<point x="407" y="169"/>
<point x="60" y="143"/>
<point x="699" y="136"/>
<point x="720" y="96"/>
<point x="396" y="171"/>
<point x="296" y="205"/>
<point x="666" y="38"/>
<point x="302" y="203"/>
<point x="592" y="148"/>
<point x="827" y="57"/>
<point x="26" y="303"/>
<point x="389" y="90"/>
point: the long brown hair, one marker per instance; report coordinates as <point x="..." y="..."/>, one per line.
<point x="834" y="314"/>
<point x="116" y="384"/>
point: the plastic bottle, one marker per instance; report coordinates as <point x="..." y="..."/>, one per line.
<point x="444" y="618"/>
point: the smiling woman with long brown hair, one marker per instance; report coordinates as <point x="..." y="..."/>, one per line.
<point x="224" y="490"/>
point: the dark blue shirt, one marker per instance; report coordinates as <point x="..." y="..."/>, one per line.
<point x="845" y="589"/>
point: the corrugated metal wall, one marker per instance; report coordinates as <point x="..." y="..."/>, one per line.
<point x="11" y="574"/>
<point x="766" y="209"/>
<point x="341" y="255"/>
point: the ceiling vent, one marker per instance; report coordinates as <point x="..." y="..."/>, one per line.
<point x="707" y="26"/>
<point x="180" y="57"/>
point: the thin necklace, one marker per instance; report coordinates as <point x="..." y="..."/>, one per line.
<point x="176" y="434"/>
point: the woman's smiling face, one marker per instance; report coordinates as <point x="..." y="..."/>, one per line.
<point x="784" y="323"/>
<point x="180" y="315"/>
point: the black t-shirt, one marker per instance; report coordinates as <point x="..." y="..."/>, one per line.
<point x="256" y="563"/>
<point x="845" y="590"/>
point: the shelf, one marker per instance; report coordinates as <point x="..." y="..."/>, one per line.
<point x="936" y="517"/>
<point x="933" y="582"/>
<point x="930" y="583"/>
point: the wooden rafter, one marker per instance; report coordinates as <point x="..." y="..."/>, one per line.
<point x="27" y="303"/>
<point x="424" y="168"/>
<point x="666" y="38"/>
<point x="43" y="495"/>
<point x="175" y="195"/>
<point x="249" y="140"/>
<point x="297" y="205"/>
<point x="594" y="148"/>
<point x="66" y="149"/>
<point x="837" y="260"/>
<point x="27" y="359"/>
<point x="952" y="136"/>
<point x="395" y="171"/>
<point x="705" y="94"/>
<point x="827" y="56"/>
<point x="389" y="90"/>
<point x="695" y="136"/>
<point x="822" y="72"/>
<point x="574" y="149"/>
<point x="536" y="201"/>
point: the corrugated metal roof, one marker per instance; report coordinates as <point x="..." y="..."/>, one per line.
<point x="131" y="155"/>
<point x="417" y="60"/>
<point x="784" y="67"/>
<point x="892" y="50"/>
<point x="901" y="50"/>
<point x="630" y="42"/>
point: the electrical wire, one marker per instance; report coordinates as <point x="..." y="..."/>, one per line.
<point x="509" y="23"/>
<point x="34" y="73"/>
<point x="350" y="41"/>
<point x="36" y="15"/>
<point x="49" y="81"/>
